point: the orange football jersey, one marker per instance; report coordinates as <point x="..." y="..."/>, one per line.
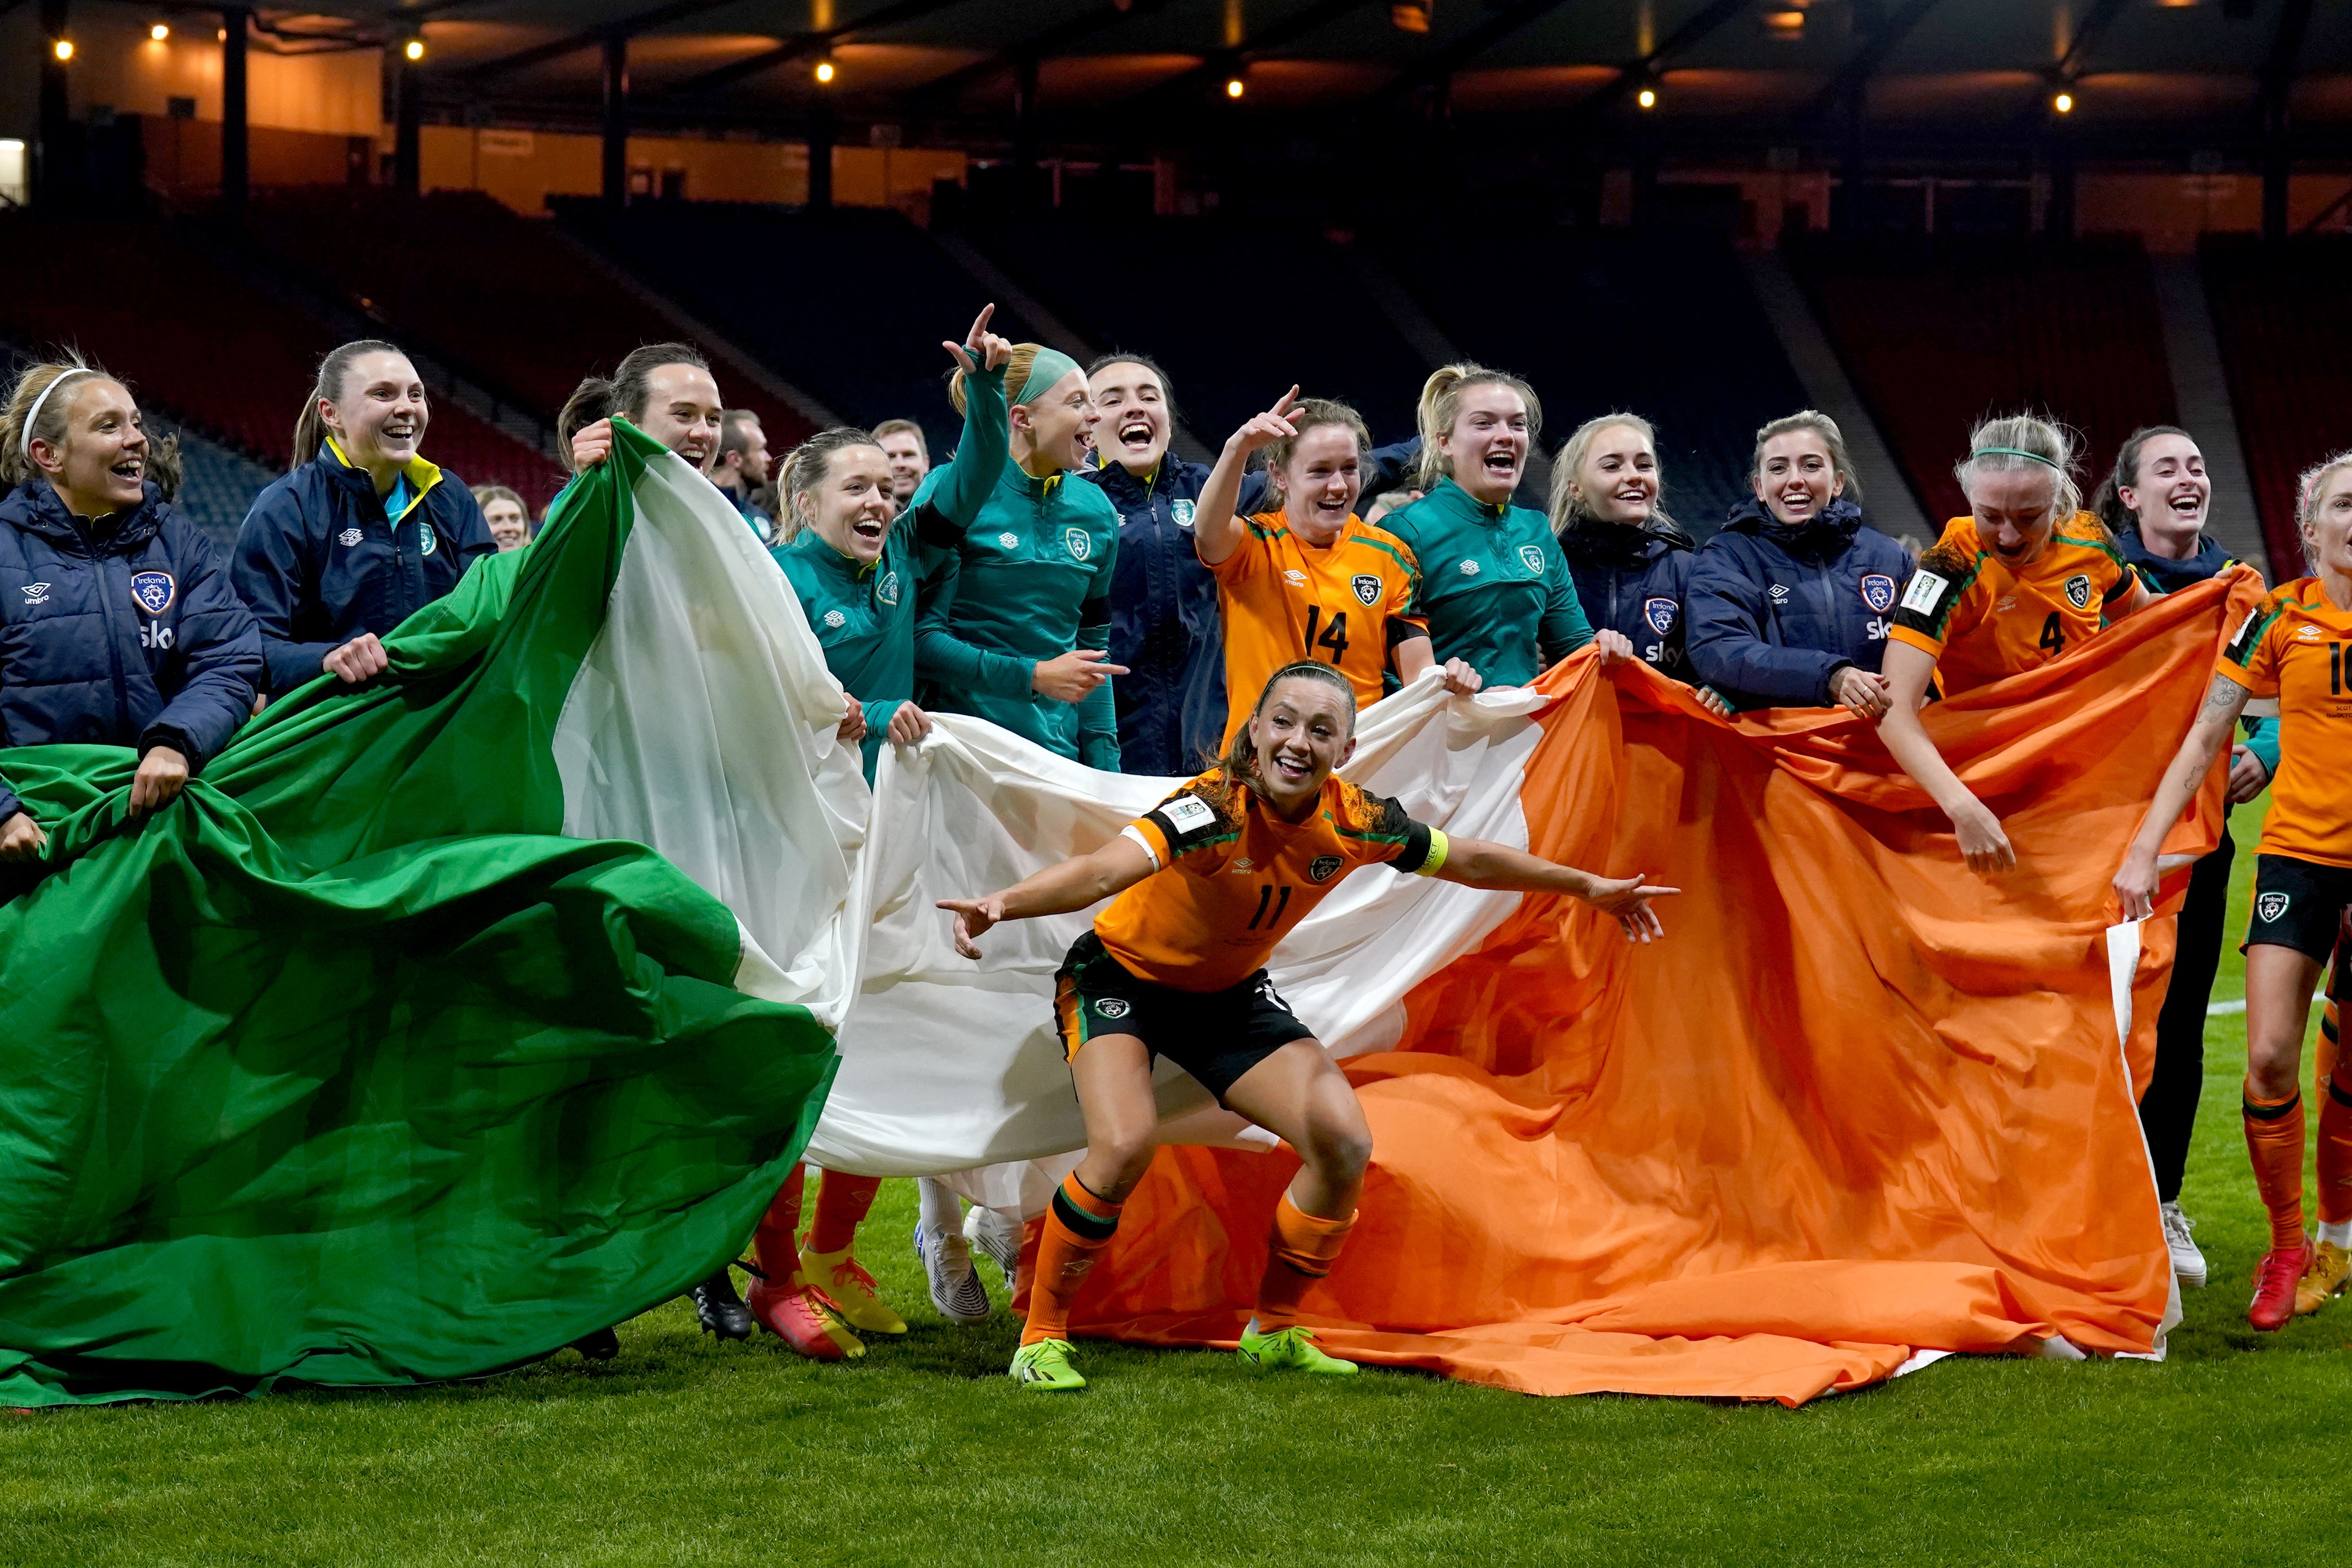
<point x="1284" y="601"/>
<point x="1983" y="621"/>
<point x="2292" y="648"/>
<point x="1233" y="878"/>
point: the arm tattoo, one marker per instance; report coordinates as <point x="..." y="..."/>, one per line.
<point x="2223" y="700"/>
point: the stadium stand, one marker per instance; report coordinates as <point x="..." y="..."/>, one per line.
<point x="2071" y="330"/>
<point x="2279" y="313"/>
<point x="1235" y="314"/>
<point x="487" y="291"/>
<point x="216" y="485"/>
<point x="1665" y="325"/>
<point x="206" y="346"/>
<point x="850" y="304"/>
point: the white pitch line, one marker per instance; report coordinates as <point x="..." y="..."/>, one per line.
<point x="2237" y="1005"/>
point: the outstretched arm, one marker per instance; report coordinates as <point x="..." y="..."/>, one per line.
<point x="2135" y="883"/>
<point x="1077" y="883"/>
<point x="1983" y="844"/>
<point x="1476" y="863"/>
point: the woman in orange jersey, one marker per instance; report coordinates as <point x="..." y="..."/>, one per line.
<point x="2291" y="649"/>
<point x="2025" y="576"/>
<point x="1308" y="579"/>
<point x="1205" y="885"/>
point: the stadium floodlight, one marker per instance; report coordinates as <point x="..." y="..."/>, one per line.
<point x="1411" y="16"/>
<point x="2063" y="103"/>
<point x="824" y="72"/>
<point x="62" y="48"/>
<point x="159" y="31"/>
<point x="1647" y="98"/>
<point x="1234" y="88"/>
<point x="414" y="50"/>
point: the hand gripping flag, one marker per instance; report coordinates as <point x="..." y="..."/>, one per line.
<point x="445" y="1019"/>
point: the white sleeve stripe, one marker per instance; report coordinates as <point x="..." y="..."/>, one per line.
<point x="1130" y="832"/>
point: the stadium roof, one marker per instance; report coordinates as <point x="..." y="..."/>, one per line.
<point x="1134" y="69"/>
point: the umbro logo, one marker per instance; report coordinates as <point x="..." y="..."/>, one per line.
<point x="1779" y="593"/>
<point x="349" y="537"/>
<point x="36" y="593"/>
<point x="2308" y="634"/>
<point x="1295" y="577"/>
<point x="1242" y="865"/>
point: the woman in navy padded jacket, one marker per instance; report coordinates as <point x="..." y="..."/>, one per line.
<point x="1790" y="605"/>
<point x="118" y="626"/>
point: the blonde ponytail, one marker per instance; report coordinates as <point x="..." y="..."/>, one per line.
<point x="1441" y="405"/>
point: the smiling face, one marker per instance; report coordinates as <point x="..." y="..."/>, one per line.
<point x="1055" y="428"/>
<point x="380" y="417"/>
<point x="1135" y="419"/>
<point x="508" y="527"/>
<point x="682" y="411"/>
<point x="101" y="465"/>
<point x="2015" y="511"/>
<point x="1487" y="447"/>
<point x="2171" y="492"/>
<point x="1619" y="480"/>
<point x="904" y="449"/>
<point x="851" y="506"/>
<point x="2327" y="531"/>
<point x="1795" y="477"/>
<point x="1303" y="730"/>
<point x="1320" y="481"/>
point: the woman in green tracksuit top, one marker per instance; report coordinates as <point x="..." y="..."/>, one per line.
<point x="1494" y="585"/>
<point x="855" y="568"/>
<point x="1015" y="618"/>
<point x="852" y="563"/>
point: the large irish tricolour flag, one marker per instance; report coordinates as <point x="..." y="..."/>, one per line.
<point x="445" y="1020"/>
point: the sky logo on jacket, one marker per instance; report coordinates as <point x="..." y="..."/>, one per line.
<point x="1878" y="591"/>
<point x="154" y="591"/>
<point x="36" y="593"/>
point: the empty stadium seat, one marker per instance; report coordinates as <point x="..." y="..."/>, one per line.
<point x="205" y="346"/>
<point x="850" y="305"/>
<point x="1939" y="333"/>
<point x="1235" y="314"/>
<point x="508" y="302"/>
<point x="1665" y="325"/>
<point x="2279" y="312"/>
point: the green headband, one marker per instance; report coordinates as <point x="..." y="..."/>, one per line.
<point x="1048" y="367"/>
<point x="2013" y="452"/>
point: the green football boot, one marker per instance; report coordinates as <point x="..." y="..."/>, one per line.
<point x="1289" y="1350"/>
<point x="1044" y="1367"/>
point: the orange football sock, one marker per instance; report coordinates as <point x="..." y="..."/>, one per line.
<point x="1077" y="1228"/>
<point x="2275" y="1142"/>
<point x="774" y="1242"/>
<point x="1024" y="1267"/>
<point x="1304" y="1248"/>
<point x="841" y="1204"/>
<point x="2334" y="1161"/>
<point x="2322" y="1051"/>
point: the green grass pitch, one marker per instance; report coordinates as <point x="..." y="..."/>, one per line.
<point x="681" y="1452"/>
